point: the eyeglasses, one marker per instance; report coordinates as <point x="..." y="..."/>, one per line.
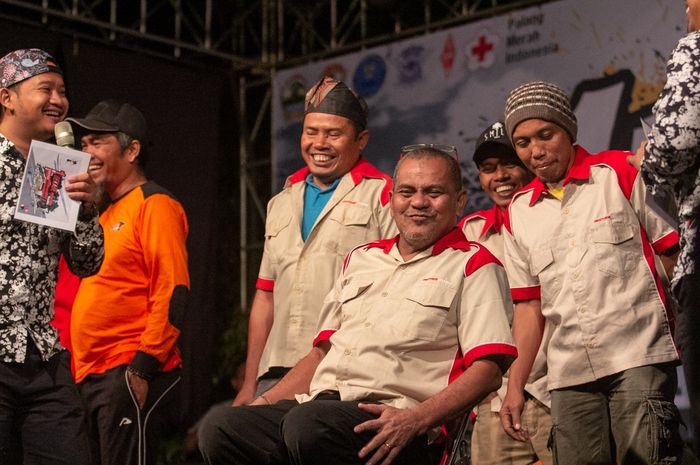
<point x="450" y="150"/>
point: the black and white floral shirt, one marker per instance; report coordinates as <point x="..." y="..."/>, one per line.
<point x="672" y="156"/>
<point x="29" y="256"/>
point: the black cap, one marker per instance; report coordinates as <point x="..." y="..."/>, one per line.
<point x="114" y="116"/>
<point x="494" y="142"/>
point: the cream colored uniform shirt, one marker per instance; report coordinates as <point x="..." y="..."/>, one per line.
<point x="589" y="258"/>
<point x="300" y="273"/>
<point x="485" y="227"/>
<point x="401" y="331"/>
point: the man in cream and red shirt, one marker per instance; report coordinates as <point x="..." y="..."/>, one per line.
<point x="339" y="200"/>
<point x="413" y="333"/>
<point x="501" y="174"/>
<point x="580" y="253"/>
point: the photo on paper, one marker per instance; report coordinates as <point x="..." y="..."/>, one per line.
<point x="43" y="198"/>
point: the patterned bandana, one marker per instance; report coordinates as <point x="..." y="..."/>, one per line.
<point x="25" y="63"/>
<point x="335" y="98"/>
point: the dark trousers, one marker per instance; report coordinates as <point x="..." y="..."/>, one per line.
<point x="120" y="432"/>
<point x="628" y="418"/>
<point x="316" y="432"/>
<point x="41" y="415"/>
<point x="688" y="339"/>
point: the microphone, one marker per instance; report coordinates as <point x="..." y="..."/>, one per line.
<point x="64" y="134"/>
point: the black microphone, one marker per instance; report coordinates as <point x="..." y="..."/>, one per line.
<point x="64" y="134"/>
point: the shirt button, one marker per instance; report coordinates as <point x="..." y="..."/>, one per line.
<point x="384" y="294"/>
<point x="347" y="352"/>
<point x="582" y="309"/>
<point x="573" y="242"/>
<point x="566" y="211"/>
<point x="367" y="325"/>
<point x="574" y="275"/>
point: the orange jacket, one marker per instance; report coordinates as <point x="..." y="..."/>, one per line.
<point x="130" y="312"/>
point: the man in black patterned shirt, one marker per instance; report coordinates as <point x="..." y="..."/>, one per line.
<point x="39" y="403"/>
<point x="670" y="162"/>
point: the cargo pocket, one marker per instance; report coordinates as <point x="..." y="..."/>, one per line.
<point x="664" y="440"/>
<point x="608" y="238"/>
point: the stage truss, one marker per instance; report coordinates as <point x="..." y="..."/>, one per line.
<point x="251" y="39"/>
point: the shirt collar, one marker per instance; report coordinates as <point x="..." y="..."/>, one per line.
<point x="580" y="170"/>
<point x="493" y="219"/>
<point x="310" y="182"/>
<point x="454" y="239"/>
<point x="362" y="169"/>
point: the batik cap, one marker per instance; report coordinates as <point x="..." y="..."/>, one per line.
<point x="25" y="63"/>
<point x="493" y="142"/>
<point x="336" y="98"/>
<point x="540" y="100"/>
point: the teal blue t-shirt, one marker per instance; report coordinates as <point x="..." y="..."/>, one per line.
<point x="315" y="199"/>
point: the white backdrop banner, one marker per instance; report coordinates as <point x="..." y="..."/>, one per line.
<point x="446" y="87"/>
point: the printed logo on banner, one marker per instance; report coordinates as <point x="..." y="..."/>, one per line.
<point x="481" y="51"/>
<point x="410" y="64"/>
<point x="448" y="55"/>
<point x="292" y="97"/>
<point x="369" y="75"/>
<point x="334" y="70"/>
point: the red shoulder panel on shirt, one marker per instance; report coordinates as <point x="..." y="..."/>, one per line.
<point x="482" y="257"/>
<point x="385" y="244"/>
<point x="364" y="169"/>
<point x="617" y="160"/>
<point x="522" y="191"/>
<point x="297" y="176"/>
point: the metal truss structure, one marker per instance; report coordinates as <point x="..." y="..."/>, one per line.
<point x="251" y="38"/>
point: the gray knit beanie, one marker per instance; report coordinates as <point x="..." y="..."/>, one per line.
<point x="540" y="100"/>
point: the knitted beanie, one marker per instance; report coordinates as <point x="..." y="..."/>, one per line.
<point x="540" y="100"/>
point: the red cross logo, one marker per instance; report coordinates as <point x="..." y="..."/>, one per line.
<point x="482" y="48"/>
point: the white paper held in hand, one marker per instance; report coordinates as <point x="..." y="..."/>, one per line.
<point x="43" y="198"/>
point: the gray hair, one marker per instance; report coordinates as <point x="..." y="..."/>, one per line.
<point x="455" y="171"/>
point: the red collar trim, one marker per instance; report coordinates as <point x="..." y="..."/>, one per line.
<point x="454" y="239"/>
<point x="493" y="219"/>
<point x="362" y="169"/>
<point x="384" y="244"/>
<point x="580" y="169"/>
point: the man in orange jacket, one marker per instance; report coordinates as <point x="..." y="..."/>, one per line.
<point x="126" y="319"/>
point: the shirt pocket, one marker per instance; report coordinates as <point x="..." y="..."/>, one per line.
<point x="424" y="310"/>
<point x="543" y="267"/>
<point x="610" y="242"/>
<point x="350" y="226"/>
<point x="278" y="237"/>
<point x="351" y="296"/>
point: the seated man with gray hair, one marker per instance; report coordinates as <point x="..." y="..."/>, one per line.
<point x="413" y="333"/>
